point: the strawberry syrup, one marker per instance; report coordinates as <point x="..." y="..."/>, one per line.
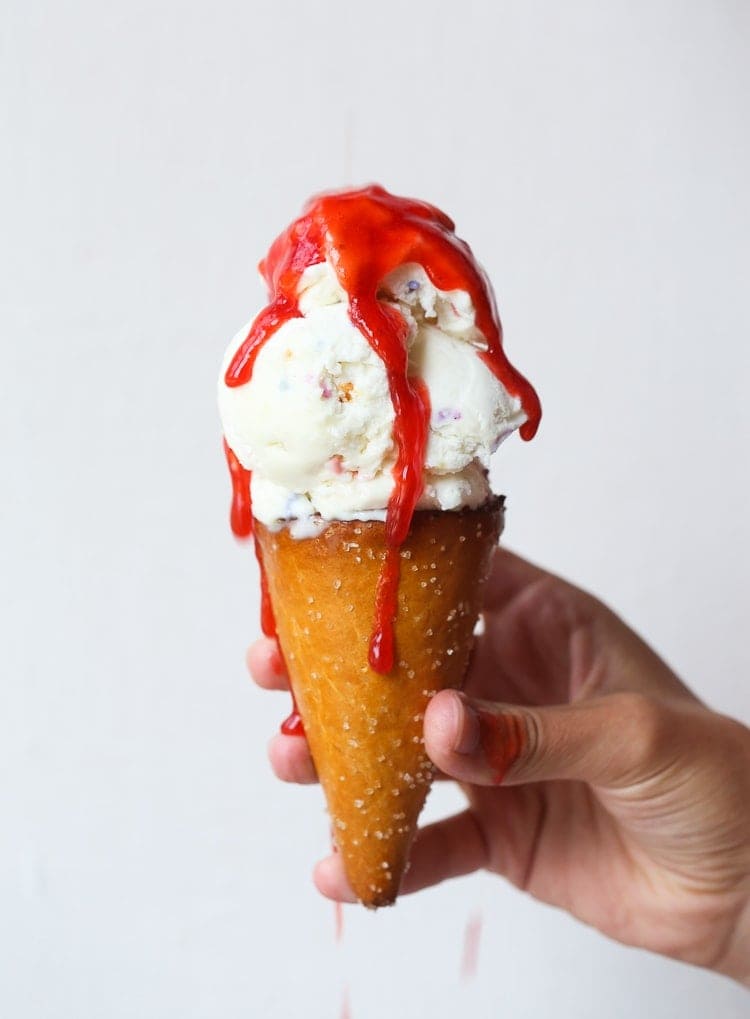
<point x="503" y="740"/>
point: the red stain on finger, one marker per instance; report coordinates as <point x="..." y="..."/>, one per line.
<point x="503" y="740"/>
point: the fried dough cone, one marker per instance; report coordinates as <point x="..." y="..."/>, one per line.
<point x="364" y="728"/>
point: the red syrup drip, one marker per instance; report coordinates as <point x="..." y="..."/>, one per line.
<point x="267" y="619"/>
<point x="470" y="956"/>
<point x="292" y="725"/>
<point x="503" y="740"/>
<point x="241" y="514"/>
<point x="365" y="234"/>
<point x="382" y="642"/>
<point x="241" y="518"/>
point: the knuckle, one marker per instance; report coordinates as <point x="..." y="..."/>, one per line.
<point x="532" y="742"/>
<point x="541" y="598"/>
<point x="553" y="598"/>
<point x="730" y="739"/>
<point x="644" y="724"/>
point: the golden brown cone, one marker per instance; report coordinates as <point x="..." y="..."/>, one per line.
<point x="365" y="729"/>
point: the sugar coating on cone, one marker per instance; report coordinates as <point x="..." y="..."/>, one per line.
<point x="364" y="728"/>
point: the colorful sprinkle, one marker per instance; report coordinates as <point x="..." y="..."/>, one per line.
<point x="448" y="414"/>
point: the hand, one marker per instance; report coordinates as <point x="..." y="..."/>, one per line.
<point x="595" y="780"/>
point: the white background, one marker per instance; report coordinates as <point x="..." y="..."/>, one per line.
<point x="597" y="156"/>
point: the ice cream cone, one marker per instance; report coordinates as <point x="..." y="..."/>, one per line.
<point x="364" y="728"/>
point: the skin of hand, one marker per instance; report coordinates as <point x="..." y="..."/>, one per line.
<point x="596" y="781"/>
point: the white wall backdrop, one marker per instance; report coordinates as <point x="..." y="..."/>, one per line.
<point x="596" y="155"/>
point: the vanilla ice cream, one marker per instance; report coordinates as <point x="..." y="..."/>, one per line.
<point x="315" y="422"/>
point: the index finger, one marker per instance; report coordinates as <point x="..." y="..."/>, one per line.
<point x="266" y="664"/>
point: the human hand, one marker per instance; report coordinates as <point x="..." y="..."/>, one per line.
<point x="595" y="779"/>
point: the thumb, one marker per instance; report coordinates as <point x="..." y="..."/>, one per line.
<point x="611" y="741"/>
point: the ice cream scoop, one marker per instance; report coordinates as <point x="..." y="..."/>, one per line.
<point x="315" y="422"/>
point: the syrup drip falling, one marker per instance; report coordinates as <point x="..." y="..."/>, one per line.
<point x="470" y="956"/>
<point x="365" y="234"/>
<point x="292" y="724"/>
<point x="241" y="518"/>
<point x="241" y="513"/>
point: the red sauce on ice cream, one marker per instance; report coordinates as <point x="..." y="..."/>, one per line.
<point x="241" y="514"/>
<point x="365" y="234"/>
<point x="241" y="519"/>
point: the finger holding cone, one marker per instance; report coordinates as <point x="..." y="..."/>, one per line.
<point x="364" y="728"/>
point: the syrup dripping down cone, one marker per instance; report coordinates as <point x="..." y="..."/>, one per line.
<point x="364" y="728"/>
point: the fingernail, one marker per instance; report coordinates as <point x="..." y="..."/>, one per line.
<point x="465" y="726"/>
